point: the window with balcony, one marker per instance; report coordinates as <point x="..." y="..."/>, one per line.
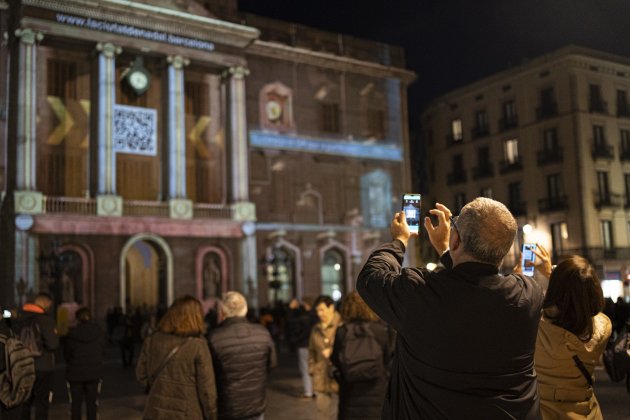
<point x="456" y="135"/>
<point x="551" y="151"/>
<point x="622" y="103"/>
<point x="481" y="127"/>
<point x="595" y="100"/>
<point x="604" y="197"/>
<point x="559" y="238"/>
<point x="484" y="167"/>
<point x="511" y="158"/>
<point x="624" y="143"/>
<point x="606" y="234"/>
<point x="548" y="106"/>
<point x="458" y="173"/>
<point x="600" y="147"/>
<point x="510" y="117"/>
<point x="556" y="199"/>
<point x="515" y="201"/>
<point x="626" y="185"/>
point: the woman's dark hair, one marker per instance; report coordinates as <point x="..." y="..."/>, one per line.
<point x="574" y="297"/>
<point x="184" y="317"/>
<point x="353" y="308"/>
<point x="83" y="315"/>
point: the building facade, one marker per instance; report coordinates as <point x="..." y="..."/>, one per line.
<point x="551" y="140"/>
<point x="154" y="149"/>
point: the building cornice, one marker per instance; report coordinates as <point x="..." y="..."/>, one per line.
<point x="327" y="60"/>
<point x="154" y="18"/>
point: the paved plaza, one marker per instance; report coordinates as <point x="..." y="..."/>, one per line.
<point x="123" y="399"/>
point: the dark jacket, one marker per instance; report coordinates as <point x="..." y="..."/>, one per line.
<point x="48" y="330"/>
<point x="362" y="400"/>
<point x="83" y="351"/>
<point x="466" y="338"/>
<point x="242" y="353"/>
<point x="185" y="388"/>
<point x="6" y="331"/>
<point x="299" y="325"/>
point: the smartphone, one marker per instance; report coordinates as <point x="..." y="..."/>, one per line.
<point x="6" y="314"/>
<point x="411" y="207"/>
<point x="528" y="255"/>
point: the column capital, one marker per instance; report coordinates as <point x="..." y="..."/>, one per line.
<point x="28" y="36"/>
<point x="108" y="49"/>
<point x="177" y="61"/>
<point x="236" y="72"/>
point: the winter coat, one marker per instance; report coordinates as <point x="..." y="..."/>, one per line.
<point x="563" y="389"/>
<point x="185" y="388"/>
<point x="48" y="330"/>
<point x="243" y="353"/>
<point x="362" y="400"/>
<point x="319" y="367"/>
<point x="83" y="351"/>
<point x="466" y="337"/>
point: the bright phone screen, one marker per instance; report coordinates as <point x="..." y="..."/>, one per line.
<point x="528" y="255"/>
<point x="411" y="207"/>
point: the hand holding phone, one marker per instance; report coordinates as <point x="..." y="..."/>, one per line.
<point x="528" y="259"/>
<point x="411" y="208"/>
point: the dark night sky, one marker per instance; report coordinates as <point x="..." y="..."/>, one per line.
<point x="450" y="43"/>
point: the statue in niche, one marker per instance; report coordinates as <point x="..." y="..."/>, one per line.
<point x="211" y="276"/>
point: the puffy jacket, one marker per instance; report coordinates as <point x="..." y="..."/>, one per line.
<point x="319" y="367"/>
<point x="48" y="330"/>
<point x="83" y="350"/>
<point x="563" y="389"/>
<point x="185" y="388"/>
<point x="242" y="353"/>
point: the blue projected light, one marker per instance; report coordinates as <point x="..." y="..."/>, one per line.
<point x="329" y="147"/>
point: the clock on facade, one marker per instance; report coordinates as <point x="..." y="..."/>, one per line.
<point x="138" y="78"/>
<point x="274" y="110"/>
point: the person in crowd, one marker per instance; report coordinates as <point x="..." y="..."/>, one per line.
<point x="83" y="351"/>
<point x="35" y="316"/>
<point x="300" y="322"/>
<point x="320" y="347"/>
<point x="622" y="313"/>
<point x="6" y="413"/>
<point x="361" y="399"/>
<point x="175" y="366"/>
<point x="243" y="353"/>
<point x="572" y="336"/>
<point x="466" y="334"/>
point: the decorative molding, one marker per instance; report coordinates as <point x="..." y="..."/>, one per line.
<point x="244" y="211"/>
<point x="29" y="202"/>
<point x="327" y="60"/>
<point x="109" y="205"/>
<point x="180" y="208"/>
<point x="177" y="61"/>
<point x="28" y="36"/>
<point x="236" y="72"/>
<point x="108" y="49"/>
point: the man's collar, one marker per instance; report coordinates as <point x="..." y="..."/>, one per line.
<point x="477" y="268"/>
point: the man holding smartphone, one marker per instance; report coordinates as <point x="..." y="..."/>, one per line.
<point x="466" y="334"/>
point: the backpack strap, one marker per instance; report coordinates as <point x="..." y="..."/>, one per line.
<point x="153" y="378"/>
<point x="580" y="365"/>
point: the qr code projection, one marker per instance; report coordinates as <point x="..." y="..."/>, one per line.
<point x="135" y="130"/>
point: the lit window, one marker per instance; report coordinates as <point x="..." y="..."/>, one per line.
<point x="456" y="130"/>
<point x="607" y="234"/>
<point x="511" y="150"/>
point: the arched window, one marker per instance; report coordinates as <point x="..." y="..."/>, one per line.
<point x="281" y="275"/>
<point x="332" y="272"/>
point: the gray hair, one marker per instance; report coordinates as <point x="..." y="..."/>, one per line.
<point x="233" y="305"/>
<point x="488" y="230"/>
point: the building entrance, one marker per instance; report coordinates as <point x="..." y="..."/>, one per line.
<point x="145" y="274"/>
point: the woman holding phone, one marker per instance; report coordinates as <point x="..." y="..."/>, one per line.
<point x="572" y="336"/>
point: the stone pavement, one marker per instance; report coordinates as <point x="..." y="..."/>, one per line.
<point x="123" y="399"/>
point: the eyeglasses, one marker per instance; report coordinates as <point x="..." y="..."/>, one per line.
<point x="454" y="223"/>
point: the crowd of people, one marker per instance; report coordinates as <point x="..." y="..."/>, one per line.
<point x="463" y="342"/>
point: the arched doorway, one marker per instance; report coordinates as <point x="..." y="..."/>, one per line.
<point x="146" y="272"/>
<point x="333" y="274"/>
<point x="281" y="275"/>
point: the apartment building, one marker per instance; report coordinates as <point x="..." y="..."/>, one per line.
<point x="551" y="140"/>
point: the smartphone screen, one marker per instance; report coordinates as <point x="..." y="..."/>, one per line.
<point x="411" y="207"/>
<point x="528" y="255"/>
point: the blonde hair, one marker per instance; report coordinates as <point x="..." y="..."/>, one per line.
<point x="233" y="305"/>
<point x="184" y="317"/>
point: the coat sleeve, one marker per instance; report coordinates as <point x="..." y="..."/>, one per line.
<point x="273" y="357"/>
<point x="339" y="338"/>
<point x="142" y="370"/>
<point x="312" y="358"/>
<point x="48" y="330"/>
<point x="384" y="285"/>
<point x="206" y="385"/>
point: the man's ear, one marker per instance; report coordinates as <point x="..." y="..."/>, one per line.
<point x="454" y="242"/>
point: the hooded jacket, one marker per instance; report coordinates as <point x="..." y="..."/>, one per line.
<point x="563" y="389"/>
<point x="83" y="351"/>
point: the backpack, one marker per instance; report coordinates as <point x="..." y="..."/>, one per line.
<point x="617" y="355"/>
<point x="361" y="355"/>
<point x="31" y="336"/>
<point x="16" y="382"/>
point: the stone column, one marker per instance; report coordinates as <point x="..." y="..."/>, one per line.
<point x="27" y="199"/>
<point x="180" y="207"/>
<point x="108" y="203"/>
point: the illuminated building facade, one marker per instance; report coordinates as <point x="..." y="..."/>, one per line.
<point x="154" y="149"/>
<point x="551" y="140"/>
